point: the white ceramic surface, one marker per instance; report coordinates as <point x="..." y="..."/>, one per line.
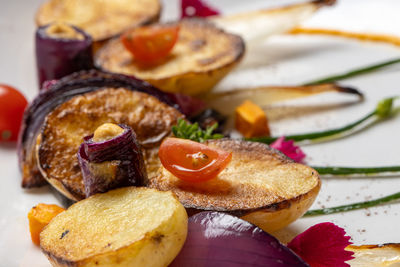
<point x="280" y="60"/>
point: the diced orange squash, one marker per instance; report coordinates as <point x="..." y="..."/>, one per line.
<point x="39" y="216"/>
<point x="250" y="120"/>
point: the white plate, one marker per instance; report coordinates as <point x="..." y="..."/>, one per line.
<point x="284" y="60"/>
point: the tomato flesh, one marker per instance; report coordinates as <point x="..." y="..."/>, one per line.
<point x="192" y="161"/>
<point x="12" y="106"/>
<point x="150" y="44"/>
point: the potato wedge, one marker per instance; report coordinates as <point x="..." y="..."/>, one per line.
<point x="260" y="185"/>
<point x="203" y="55"/>
<point x="66" y="125"/>
<point x="124" y="227"/>
<point x="101" y="19"/>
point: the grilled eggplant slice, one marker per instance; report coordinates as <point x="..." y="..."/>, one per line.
<point x="59" y="92"/>
<point x="260" y="185"/>
<point x="123" y="227"/>
<point x="67" y="125"/>
<point x="102" y="19"/>
<point x="203" y="55"/>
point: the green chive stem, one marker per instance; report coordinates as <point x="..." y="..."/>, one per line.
<point x="354" y="206"/>
<point x="315" y="135"/>
<point x="383" y="110"/>
<point x="356" y="170"/>
<point x="354" y="73"/>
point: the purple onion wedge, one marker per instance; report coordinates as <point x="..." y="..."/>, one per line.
<point x="59" y="92"/>
<point x="217" y="239"/>
<point x="61" y="49"/>
<point x="112" y="163"/>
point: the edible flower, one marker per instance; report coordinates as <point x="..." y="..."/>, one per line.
<point x="323" y="245"/>
<point x="289" y="149"/>
<point x="197" y="8"/>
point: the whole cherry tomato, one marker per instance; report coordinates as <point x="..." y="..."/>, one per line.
<point x="191" y="161"/>
<point x="12" y="106"/>
<point x="150" y="44"/>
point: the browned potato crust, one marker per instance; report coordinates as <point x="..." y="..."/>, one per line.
<point x="260" y="185"/>
<point x="102" y="19"/>
<point x="203" y="55"/>
<point x="65" y="127"/>
<point x="129" y="226"/>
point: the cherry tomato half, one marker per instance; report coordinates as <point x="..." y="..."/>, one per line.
<point x="150" y="44"/>
<point x="191" y="161"/>
<point x="12" y="106"/>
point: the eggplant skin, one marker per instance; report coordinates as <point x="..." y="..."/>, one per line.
<point x="102" y="19"/>
<point x="203" y="55"/>
<point x="260" y="185"/>
<point x="67" y="125"/>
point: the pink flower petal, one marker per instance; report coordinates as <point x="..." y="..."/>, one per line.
<point x="289" y="149"/>
<point x="323" y="245"/>
<point x="196" y="8"/>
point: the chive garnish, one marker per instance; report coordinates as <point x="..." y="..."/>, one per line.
<point x="354" y="206"/>
<point x="344" y="171"/>
<point x="382" y="111"/>
<point x="354" y="73"/>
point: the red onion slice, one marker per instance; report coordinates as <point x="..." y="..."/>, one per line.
<point x="57" y="57"/>
<point x="124" y="163"/>
<point x="219" y="239"/>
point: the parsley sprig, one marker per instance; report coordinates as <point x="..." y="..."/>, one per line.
<point x="193" y="131"/>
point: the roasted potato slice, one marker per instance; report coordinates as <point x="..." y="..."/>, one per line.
<point x="102" y="19"/>
<point x="66" y="125"/>
<point x="124" y="227"/>
<point x="203" y="55"/>
<point x="260" y="185"/>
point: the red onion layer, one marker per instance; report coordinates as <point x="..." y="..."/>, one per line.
<point x="219" y="239"/>
<point x="126" y="164"/>
<point x="57" y="57"/>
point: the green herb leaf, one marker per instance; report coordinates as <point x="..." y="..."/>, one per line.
<point x="193" y="132"/>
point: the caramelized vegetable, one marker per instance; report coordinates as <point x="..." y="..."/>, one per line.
<point x="201" y="57"/>
<point x="130" y="226"/>
<point x="61" y="49"/>
<point x="255" y="25"/>
<point x="78" y="84"/>
<point x="67" y="124"/>
<point x="260" y="185"/>
<point x="250" y="120"/>
<point x="102" y="19"/>
<point x="111" y="158"/>
<point x="40" y="216"/>
<point x="375" y="255"/>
